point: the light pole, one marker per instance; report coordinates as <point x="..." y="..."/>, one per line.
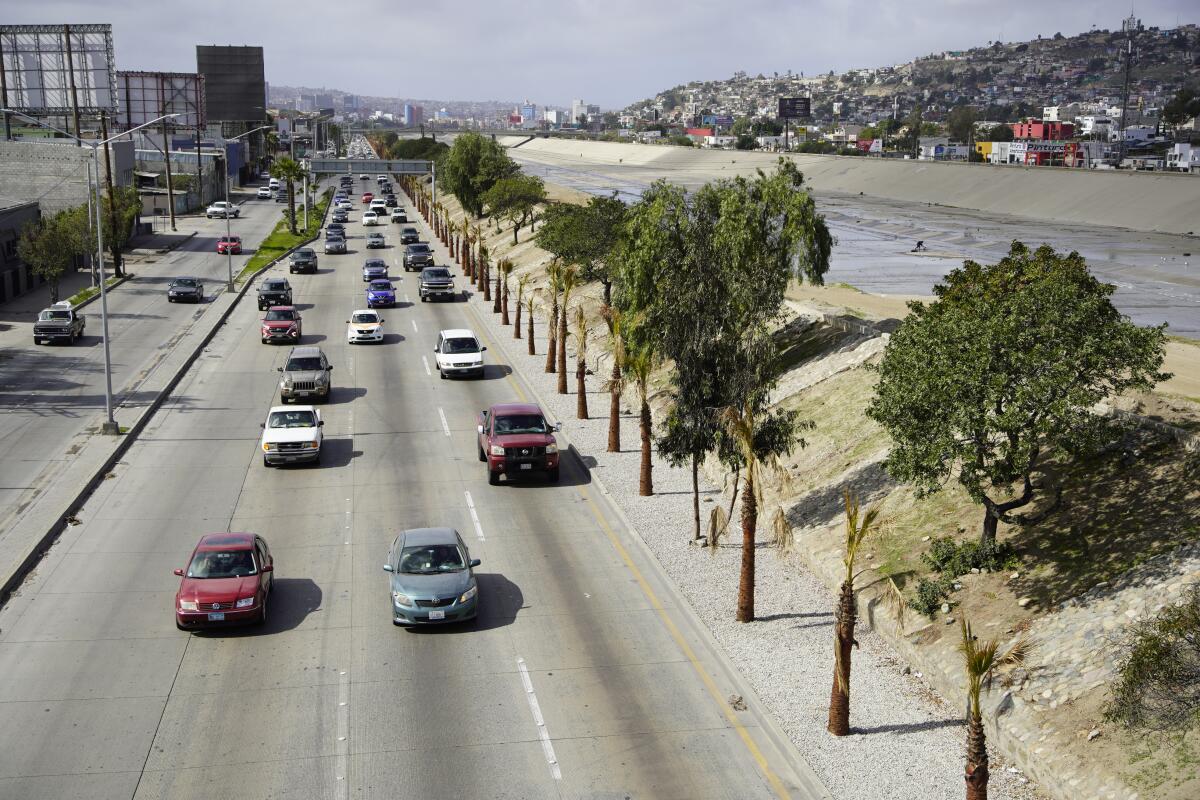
<point x="109" y="426"/>
<point x="228" y="233"/>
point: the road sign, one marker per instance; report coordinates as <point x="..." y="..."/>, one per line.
<point x="374" y="166"/>
<point x="795" y="107"/>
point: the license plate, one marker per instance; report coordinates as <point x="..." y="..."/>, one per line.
<point x="435" y="614"/>
<point x="217" y="616"/>
<point x="527" y="466"/>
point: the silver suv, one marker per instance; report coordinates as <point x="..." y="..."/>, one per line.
<point x="306" y="376"/>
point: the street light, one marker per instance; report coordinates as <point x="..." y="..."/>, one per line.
<point x="228" y="249"/>
<point x="109" y="426"/>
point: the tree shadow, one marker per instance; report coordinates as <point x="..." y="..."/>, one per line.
<point x="823" y="506"/>
<point x="908" y="727"/>
<point x="799" y="615"/>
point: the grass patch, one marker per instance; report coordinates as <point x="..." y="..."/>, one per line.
<point x="92" y="291"/>
<point x="282" y="240"/>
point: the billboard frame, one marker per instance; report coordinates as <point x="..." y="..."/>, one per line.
<point x="170" y="92"/>
<point x="795" y="107"/>
<point x="81" y="67"/>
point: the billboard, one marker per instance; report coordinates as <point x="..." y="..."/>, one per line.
<point x="142" y="96"/>
<point x="235" y="84"/>
<point x="41" y="63"/>
<point x="794" y="107"/>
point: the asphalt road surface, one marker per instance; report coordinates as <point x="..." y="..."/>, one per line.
<point x="582" y="678"/>
<point x="1157" y="275"/>
<point x="52" y="395"/>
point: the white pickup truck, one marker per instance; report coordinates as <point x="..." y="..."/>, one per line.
<point x="222" y="209"/>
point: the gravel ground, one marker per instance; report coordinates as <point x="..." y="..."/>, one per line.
<point x="906" y="744"/>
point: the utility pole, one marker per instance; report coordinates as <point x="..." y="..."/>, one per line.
<point x="162" y="109"/>
<point x="112" y="204"/>
<point x="1125" y="94"/>
<point x="4" y="94"/>
<point x="71" y="78"/>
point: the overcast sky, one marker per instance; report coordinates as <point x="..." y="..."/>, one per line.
<point x="610" y="52"/>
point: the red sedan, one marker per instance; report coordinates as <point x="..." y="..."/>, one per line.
<point x="229" y="244"/>
<point x="368" y="197"/>
<point x="227" y="581"/>
<point x="282" y="323"/>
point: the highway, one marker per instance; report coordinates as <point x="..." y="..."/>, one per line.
<point x="584" y="677"/>
<point x="1157" y="275"/>
<point x="53" y="395"/>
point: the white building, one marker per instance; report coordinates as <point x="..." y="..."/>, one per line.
<point x="553" y="116"/>
<point x="1183" y="157"/>
<point x="719" y="141"/>
<point x="1092" y="124"/>
<point x="578" y="109"/>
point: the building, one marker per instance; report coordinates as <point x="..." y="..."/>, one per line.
<point x="553" y="116"/>
<point x="578" y="113"/>
<point x="235" y="96"/>
<point x="1043" y="130"/>
<point x="1183" y="157"/>
<point x="349" y="102"/>
<point x="15" y="277"/>
<point x="412" y="116"/>
<point x="529" y="115"/>
<point x="55" y="173"/>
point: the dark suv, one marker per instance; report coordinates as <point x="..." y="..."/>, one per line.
<point x="417" y="256"/>
<point x="274" y="292"/>
<point x="303" y="260"/>
<point x="436" y="282"/>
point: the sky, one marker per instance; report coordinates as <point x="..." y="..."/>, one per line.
<point x="608" y="52"/>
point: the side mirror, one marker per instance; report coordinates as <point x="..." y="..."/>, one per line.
<point x="330" y="368"/>
<point x="347" y="322"/>
<point x="387" y="568"/>
<point x="179" y="572"/>
<point x="483" y="348"/>
<point x="474" y="562"/>
<point x="320" y="423"/>
<point x="268" y="567"/>
<point x="262" y="426"/>
<point x="557" y="426"/>
<point x="479" y="429"/>
<point x="279" y="369"/>
<point x="437" y="349"/>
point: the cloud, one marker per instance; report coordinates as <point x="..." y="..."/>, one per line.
<point x="610" y="52"/>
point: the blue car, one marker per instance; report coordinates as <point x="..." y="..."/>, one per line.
<point x="374" y="269"/>
<point x="380" y="293"/>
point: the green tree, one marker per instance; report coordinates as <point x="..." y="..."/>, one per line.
<point x="515" y="199"/>
<point x="746" y="142"/>
<point x="121" y="208"/>
<point x="1000" y="374"/>
<point x="960" y="124"/>
<point x="846" y="614"/>
<point x="472" y="166"/>
<point x="50" y="245"/>
<point x="289" y="171"/>
<point x="585" y="236"/>
<point x="1182" y="107"/>
<point x="1000" y="133"/>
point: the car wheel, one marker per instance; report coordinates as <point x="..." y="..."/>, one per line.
<point x="482" y="457"/>
<point x="172" y="300"/>
<point x="553" y="475"/>
<point x="493" y="478"/>
<point x="266" y="463"/>
<point x="178" y="625"/>
<point x="441" y="375"/>
<point x="264" y="341"/>
<point x="262" y="615"/>
<point x="424" y="299"/>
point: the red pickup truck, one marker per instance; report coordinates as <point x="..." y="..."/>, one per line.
<point x="515" y="439"/>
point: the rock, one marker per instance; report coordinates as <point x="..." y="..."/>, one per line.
<point x="1093" y="734"/>
<point x="906" y="671"/>
<point x="974" y="570"/>
<point x="949" y="620"/>
<point x="924" y="538"/>
<point x="736" y="702"/>
<point x="956" y="586"/>
<point x="1014" y="576"/>
<point x="945" y="608"/>
<point x="1024" y="601"/>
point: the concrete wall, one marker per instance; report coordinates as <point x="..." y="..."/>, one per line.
<point x="55" y="174"/>
<point x="1140" y="201"/>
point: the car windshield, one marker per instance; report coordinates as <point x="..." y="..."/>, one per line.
<point x="436" y="273"/>
<point x="292" y="419"/>
<point x="427" y="559"/>
<point x="374" y="264"/>
<point x="279" y="315"/>
<point x="229" y="239"/>
<point x="364" y="319"/>
<point x="418" y="248"/>
<point x="222" y="564"/>
<point x="380" y="286"/>
<point x="189" y="282"/>
<point x="460" y="345"/>
<point x="375" y="236"/>
<point x="48" y="315"/>
<point x="303" y="364"/>
<point x="275" y="286"/>
<point x="521" y="423"/>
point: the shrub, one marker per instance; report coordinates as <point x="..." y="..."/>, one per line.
<point x="951" y="558"/>
<point x="1158" y="676"/>
<point x="931" y="593"/>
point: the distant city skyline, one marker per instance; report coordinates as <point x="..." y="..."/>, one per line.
<point x="551" y="53"/>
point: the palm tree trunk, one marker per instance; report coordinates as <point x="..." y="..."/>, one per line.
<point x="562" y="350"/>
<point x="745" y="601"/>
<point x="486" y="279"/>
<point x="614" y="410"/>
<point x="843" y="632"/>
<point x="646" y="483"/>
<point x="737" y="476"/>
<point x="551" y="332"/>
<point x="517" y="321"/>
<point x="529" y="334"/>
<point x="696" y="496"/>
<point x="581" y="409"/>
<point x="496" y="301"/>
<point x="504" y="303"/>
<point x="977" y="759"/>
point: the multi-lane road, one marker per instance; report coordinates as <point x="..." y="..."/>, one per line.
<point x="583" y="677"/>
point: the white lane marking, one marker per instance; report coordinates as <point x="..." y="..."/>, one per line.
<point x="342" y="765"/>
<point x="543" y="734"/>
<point x="414" y="322"/>
<point x="425" y="361"/>
<point x="474" y="517"/>
<point x="445" y="426"/>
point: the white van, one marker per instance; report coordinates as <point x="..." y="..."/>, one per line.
<point x="273" y="183"/>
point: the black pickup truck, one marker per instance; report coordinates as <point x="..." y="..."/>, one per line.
<point x="303" y="260"/>
<point x="274" y="292"/>
<point x="58" y="323"/>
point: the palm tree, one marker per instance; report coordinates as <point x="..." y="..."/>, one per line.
<point x="581" y="409"/>
<point x="498" y="297"/>
<point x="980" y="659"/>
<point x="616" y="383"/>
<point x="288" y="171"/>
<point x="639" y="362"/>
<point x="522" y="280"/>
<point x="482" y="273"/>
<point x="845" y="616"/>
<point x="553" y="271"/>
<point x="569" y="280"/>
<point x="506" y="268"/>
<point x="529" y="332"/>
